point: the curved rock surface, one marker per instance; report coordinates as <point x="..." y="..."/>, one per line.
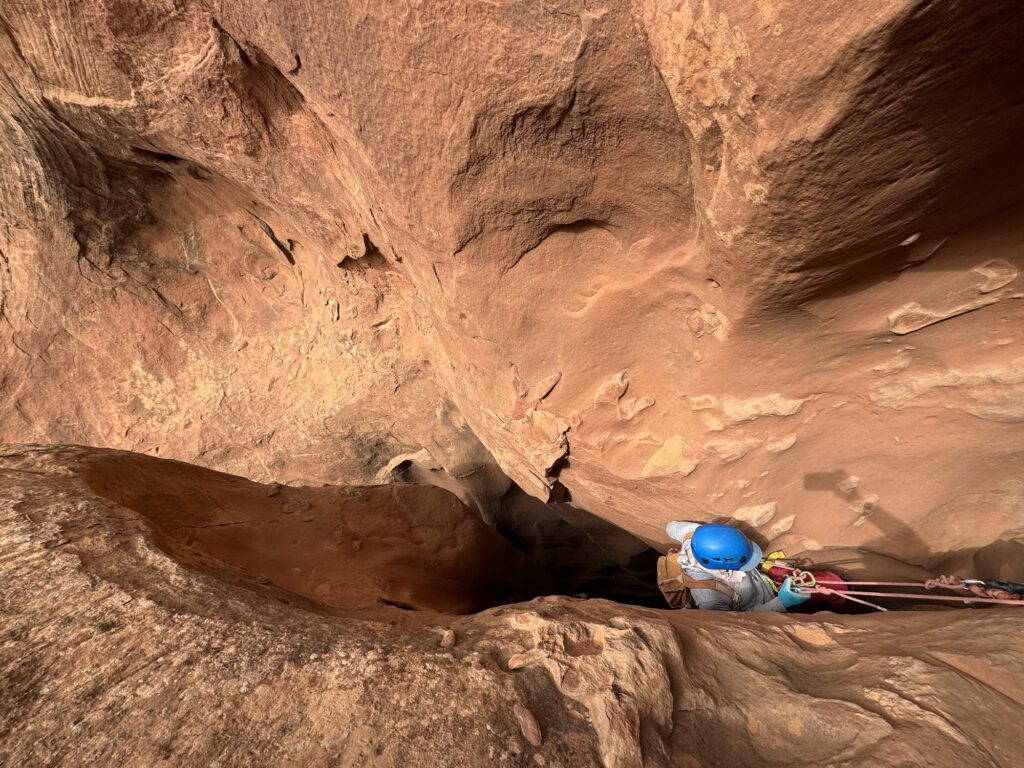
<point x="605" y="264"/>
<point x="681" y="259"/>
<point x="116" y="648"/>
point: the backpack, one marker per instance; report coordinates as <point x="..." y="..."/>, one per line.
<point x="675" y="584"/>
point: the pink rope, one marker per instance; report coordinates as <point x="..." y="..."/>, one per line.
<point x="876" y="583"/>
<point x="918" y="584"/>
<point x="846" y="595"/>
<point x="826" y="590"/>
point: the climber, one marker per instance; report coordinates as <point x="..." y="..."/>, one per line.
<point x="715" y="567"/>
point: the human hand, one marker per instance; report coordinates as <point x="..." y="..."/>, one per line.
<point x="944" y="582"/>
<point x="789" y="597"/>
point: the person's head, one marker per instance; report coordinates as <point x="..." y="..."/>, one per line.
<point x="723" y="548"/>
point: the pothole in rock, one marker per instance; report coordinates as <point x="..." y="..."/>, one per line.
<point x="351" y="549"/>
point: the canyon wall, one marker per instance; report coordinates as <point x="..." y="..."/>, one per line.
<point x="669" y="259"/>
<point x="133" y="637"/>
<point x="587" y="265"/>
<point x="684" y="259"/>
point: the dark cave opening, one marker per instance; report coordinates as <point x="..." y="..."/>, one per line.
<point x="577" y="554"/>
<point x="584" y="555"/>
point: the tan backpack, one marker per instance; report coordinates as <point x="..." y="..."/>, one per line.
<point x="675" y="584"/>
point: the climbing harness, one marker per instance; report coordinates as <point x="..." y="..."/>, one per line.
<point x="676" y="585"/>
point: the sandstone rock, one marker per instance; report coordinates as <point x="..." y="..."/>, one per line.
<point x="997" y="273"/>
<point x="612" y="389"/>
<point x="848" y="484"/>
<point x="298" y="245"/>
<point x="778" y="445"/>
<point x="731" y="450"/>
<point x="543" y="387"/>
<point x="965" y="295"/>
<point x="736" y="411"/>
<point x="528" y="724"/>
<point x="628" y="409"/>
<point x="620" y="184"/>
<point x="673" y="457"/>
<point x="865" y="508"/>
<point x="756" y="515"/>
<point x="782" y="526"/>
<point x="197" y="645"/>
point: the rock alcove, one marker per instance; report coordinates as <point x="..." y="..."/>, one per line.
<point x="356" y="550"/>
<point x="363" y="551"/>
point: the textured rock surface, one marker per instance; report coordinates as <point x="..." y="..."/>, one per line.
<point x="114" y="649"/>
<point x="353" y="549"/>
<point x="687" y="258"/>
<point x="658" y="258"/>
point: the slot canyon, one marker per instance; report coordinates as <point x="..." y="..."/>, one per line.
<point x="354" y="357"/>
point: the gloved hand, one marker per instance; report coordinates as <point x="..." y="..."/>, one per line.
<point x="789" y="598"/>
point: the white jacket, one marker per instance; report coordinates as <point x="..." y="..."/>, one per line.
<point x="753" y="589"/>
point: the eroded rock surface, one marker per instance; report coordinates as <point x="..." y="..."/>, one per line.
<point x="120" y="646"/>
<point x="352" y="549"/>
<point x="644" y="260"/>
<point x="116" y="648"/>
<point x="668" y="258"/>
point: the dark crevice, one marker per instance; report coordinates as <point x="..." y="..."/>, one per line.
<point x="396" y="604"/>
<point x="402" y="546"/>
<point x="371" y="258"/>
<point x="371" y="251"/>
<point x="576" y="553"/>
<point x="584" y="555"/>
<point x="160" y="157"/>
<point x="285" y="248"/>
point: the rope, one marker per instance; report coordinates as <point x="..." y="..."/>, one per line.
<point x="876" y="583"/>
<point x="851" y="583"/>
<point x="811" y="582"/>
<point x="846" y="595"/>
<point x="943" y="598"/>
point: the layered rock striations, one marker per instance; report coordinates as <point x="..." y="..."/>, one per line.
<point x="681" y="259"/>
<point x="133" y="638"/>
<point x="606" y="265"/>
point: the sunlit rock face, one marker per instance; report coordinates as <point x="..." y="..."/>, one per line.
<point x="666" y="259"/>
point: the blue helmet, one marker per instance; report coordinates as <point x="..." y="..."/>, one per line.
<point x="722" y="547"/>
